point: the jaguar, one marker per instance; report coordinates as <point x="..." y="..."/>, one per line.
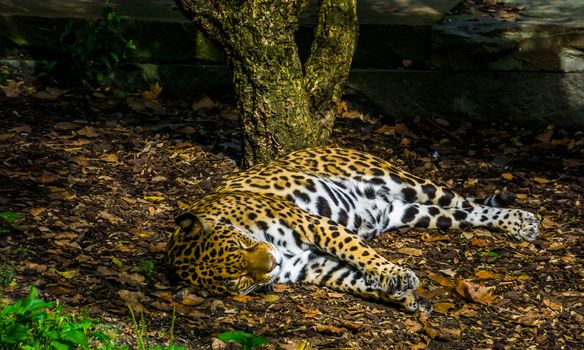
<point x="306" y="217"/>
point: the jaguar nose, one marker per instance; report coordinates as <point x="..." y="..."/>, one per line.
<point x="274" y="263"/>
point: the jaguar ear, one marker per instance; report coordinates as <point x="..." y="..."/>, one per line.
<point x="189" y="222"/>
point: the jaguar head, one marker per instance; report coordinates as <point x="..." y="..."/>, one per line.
<point x="219" y="258"/>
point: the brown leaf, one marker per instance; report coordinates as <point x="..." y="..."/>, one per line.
<point x="243" y="298"/>
<point x="477" y="242"/>
<point x="435" y="332"/>
<point x="552" y="305"/>
<point x="442" y="308"/>
<point x="36" y="211"/>
<point x="296" y="345"/>
<point x="6" y="135"/>
<point x="473" y="292"/>
<point x="412" y="326"/>
<point x="280" y="287"/>
<point x="152" y="94"/>
<point x="541" y="180"/>
<point x="484" y="274"/>
<point x="131" y="278"/>
<point x="47" y="177"/>
<point x="507" y="176"/>
<point x="203" y="102"/>
<point x="441" y="280"/>
<point x="325" y="328"/>
<point x="433" y="238"/>
<point x="64" y="126"/>
<point x="310" y="313"/>
<point x="21" y="129"/>
<point x="12" y="88"/>
<point x="467" y="310"/>
<point x="109" y="157"/>
<point x="130" y="296"/>
<point x="88" y="131"/>
<point x="410" y="251"/>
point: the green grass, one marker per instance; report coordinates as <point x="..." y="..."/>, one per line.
<point x="32" y="323"/>
<point x="7" y="221"/>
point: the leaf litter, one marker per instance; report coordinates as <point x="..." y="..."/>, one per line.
<point x="99" y="188"/>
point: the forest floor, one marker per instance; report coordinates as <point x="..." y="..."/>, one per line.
<point x="99" y="180"/>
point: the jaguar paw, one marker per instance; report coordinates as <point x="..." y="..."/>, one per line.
<point x="413" y="302"/>
<point x="402" y="283"/>
<point x="528" y="227"/>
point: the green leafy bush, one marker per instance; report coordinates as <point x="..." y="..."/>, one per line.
<point x="92" y="50"/>
<point x="32" y="323"/>
<point x="7" y="220"/>
<point x="248" y="341"/>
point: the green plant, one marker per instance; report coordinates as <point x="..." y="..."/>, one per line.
<point x="146" y="267"/>
<point x="142" y="342"/>
<point x="247" y="341"/>
<point x="7" y="274"/>
<point x="92" y="50"/>
<point x="4" y="73"/>
<point x="7" y="220"/>
<point x="32" y="323"/>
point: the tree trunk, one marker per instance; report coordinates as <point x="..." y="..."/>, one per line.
<point x="283" y="107"/>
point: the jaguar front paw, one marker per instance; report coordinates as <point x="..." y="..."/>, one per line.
<point x="401" y="284"/>
<point x="413" y="302"/>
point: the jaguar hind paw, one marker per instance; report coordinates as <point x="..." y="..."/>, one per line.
<point x="528" y="227"/>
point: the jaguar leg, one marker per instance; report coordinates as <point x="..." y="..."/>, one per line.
<point x="520" y="223"/>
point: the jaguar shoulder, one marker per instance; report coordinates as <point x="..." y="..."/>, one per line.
<point x="305" y="217"/>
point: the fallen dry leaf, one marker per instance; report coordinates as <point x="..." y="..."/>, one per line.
<point x="412" y="326"/>
<point x="473" y="292"/>
<point x="433" y="238"/>
<point x="243" y="298"/>
<point x="442" y="308"/>
<point x="441" y="280"/>
<point x="153" y="93"/>
<point x="484" y="274"/>
<point x="109" y="157"/>
<point x="309" y="313"/>
<point x="410" y="251"/>
<point x="325" y="328"/>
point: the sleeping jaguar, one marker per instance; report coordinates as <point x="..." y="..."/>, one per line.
<point x="306" y="217"/>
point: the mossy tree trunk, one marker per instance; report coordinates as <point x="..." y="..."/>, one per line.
<point x="283" y="105"/>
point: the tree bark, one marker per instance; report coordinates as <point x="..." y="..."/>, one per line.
<point x="283" y="107"/>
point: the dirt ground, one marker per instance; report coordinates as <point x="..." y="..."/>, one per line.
<point x="99" y="181"/>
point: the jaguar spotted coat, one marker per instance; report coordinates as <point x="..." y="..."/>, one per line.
<point x="306" y="217"/>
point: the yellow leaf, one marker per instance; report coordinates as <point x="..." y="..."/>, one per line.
<point x="442" y="308"/>
<point x="507" y="176"/>
<point x="310" y="313"/>
<point x="117" y="262"/>
<point x="541" y="180"/>
<point x="67" y="274"/>
<point x="154" y="198"/>
<point x="36" y="211"/>
<point x="484" y="274"/>
<point x="152" y="94"/>
<point x="441" y="280"/>
<point x="110" y="157"/>
<point x="243" y="298"/>
<point x="271" y="298"/>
